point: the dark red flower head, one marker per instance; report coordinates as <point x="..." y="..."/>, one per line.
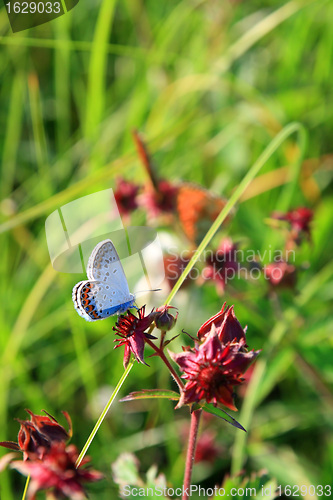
<point x="280" y="274"/>
<point x="160" y="199"/>
<point x="299" y="220"/>
<point x="228" y="326"/>
<point x="125" y="195"/>
<point x="57" y="472"/>
<point x="131" y="329"/>
<point x="38" y="434"/>
<point x="216" y="365"/>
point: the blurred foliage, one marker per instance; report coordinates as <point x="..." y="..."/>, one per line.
<point x="210" y="83"/>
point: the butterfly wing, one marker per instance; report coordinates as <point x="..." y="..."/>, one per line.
<point x="106" y="291"/>
<point x="95" y="300"/>
<point x="85" y="301"/>
<point x="197" y="208"/>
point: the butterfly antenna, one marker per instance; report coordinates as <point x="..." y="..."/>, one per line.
<point x="145" y="158"/>
<point x="145" y="291"/>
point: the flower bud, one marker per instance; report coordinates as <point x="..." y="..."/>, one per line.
<point x="163" y="319"/>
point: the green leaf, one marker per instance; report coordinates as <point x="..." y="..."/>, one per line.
<point x="155" y="479"/>
<point x="151" y="393"/>
<point x="218" y="412"/>
<point x="126" y="470"/>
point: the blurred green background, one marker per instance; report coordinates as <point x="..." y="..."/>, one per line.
<point x="210" y="83"/>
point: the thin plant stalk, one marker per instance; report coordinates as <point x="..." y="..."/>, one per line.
<point x="104" y="412"/>
<point x="26" y="488"/>
<point x="192" y="445"/>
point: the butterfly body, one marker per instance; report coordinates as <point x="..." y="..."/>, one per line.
<point x="106" y="291"/>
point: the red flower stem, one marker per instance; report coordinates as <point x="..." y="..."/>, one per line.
<point x="163" y="357"/>
<point x="192" y="445"/>
<point x="163" y="333"/>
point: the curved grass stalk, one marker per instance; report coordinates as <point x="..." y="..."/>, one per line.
<point x="251" y="174"/>
<point x="104" y="412"/>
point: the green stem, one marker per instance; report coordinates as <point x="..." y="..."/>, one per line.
<point x="248" y="178"/>
<point x="26" y="488"/>
<point x="104" y="412"/>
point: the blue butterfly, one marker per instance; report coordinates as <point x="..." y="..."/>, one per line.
<point x="106" y="291"/>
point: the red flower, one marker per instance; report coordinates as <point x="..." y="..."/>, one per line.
<point x="228" y="326"/>
<point x="131" y="329"/>
<point x="213" y="367"/>
<point x="125" y="195"/>
<point x="280" y="274"/>
<point x="57" y="471"/>
<point x="37" y="435"/>
<point x="222" y="264"/>
<point x="159" y="200"/>
<point x="299" y="220"/>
